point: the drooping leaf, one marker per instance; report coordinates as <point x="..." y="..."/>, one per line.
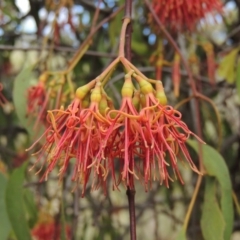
<point x="181" y="235"/>
<point x="138" y="44"/>
<point x="5" y="226"/>
<point x="212" y="222"/>
<point x="114" y="27"/>
<point x="216" y="167"/>
<point x="238" y="78"/>
<point x="21" y="84"/>
<point x="15" y="204"/>
<point x="30" y="207"/>
<point x="113" y="30"/>
<point x="226" y="67"/>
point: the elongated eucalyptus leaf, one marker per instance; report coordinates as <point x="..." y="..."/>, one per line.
<point x="31" y="207"/>
<point x="217" y="168"/>
<point x="21" y="84"/>
<point x="181" y="235"/>
<point x="238" y="78"/>
<point x="15" y="204"/>
<point x="5" y="225"/>
<point x="212" y="221"/>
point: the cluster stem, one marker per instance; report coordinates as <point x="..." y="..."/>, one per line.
<point x="125" y="52"/>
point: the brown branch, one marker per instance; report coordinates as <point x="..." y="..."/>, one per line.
<point x="57" y="48"/>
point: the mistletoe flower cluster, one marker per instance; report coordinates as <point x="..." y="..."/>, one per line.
<point x="184" y="14"/>
<point x="142" y="140"/>
<point x="49" y="93"/>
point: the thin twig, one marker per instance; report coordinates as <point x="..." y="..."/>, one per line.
<point x="56" y="48"/>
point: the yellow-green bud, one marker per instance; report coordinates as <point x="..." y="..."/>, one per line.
<point x="145" y="86"/>
<point x="86" y="101"/>
<point x="136" y="100"/>
<point x="143" y="100"/>
<point x="160" y="94"/>
<point x="128" y="88"/>
<point x="43" y="77"/>
<point x="111" y="107"/>
<point x="52" y="83"/>
<point x="103" y="105"/>
<point x="96" y="94"/>
<point x="81" y="92"/>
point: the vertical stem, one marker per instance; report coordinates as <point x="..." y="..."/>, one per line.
<point x="130" y="191"/>
<point x="128" y="35"/>
<point x="75" y="214"/>
<point x="131" y="203"/>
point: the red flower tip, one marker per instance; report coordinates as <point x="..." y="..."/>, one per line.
<point x="3" y="100"/>
<point x="184" y="14"/>
<point x="49" y="231"/>
<point x="37" y="100"/>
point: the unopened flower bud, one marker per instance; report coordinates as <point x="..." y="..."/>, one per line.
<point x="136" y="100"/>
<point x="103" y="105"/>
<point x="43" y="77"/>
<point x="81" y="92"/>
<point x="86" y="101"/>
<point x="128" y="88"/>
<point x="145" y="86"/>
<point x="96" y="94"/>
<point x="160" y="94"/>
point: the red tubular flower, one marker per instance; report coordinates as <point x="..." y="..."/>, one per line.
<point x="48" y="94"/>
<point x="37" y="100"/>
<point x="120" y="139"/>
<point x="164" y="137"/>
<point x="58" y="135"/>
<point x="3" y="100"/>
<point x="49" y="231"/>
<point x="184" y="14"/>
<point x="75" y="133"/>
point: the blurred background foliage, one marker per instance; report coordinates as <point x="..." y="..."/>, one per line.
<point x="31" y="31"/>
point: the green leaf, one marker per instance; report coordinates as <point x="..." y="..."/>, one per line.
<point x="15" y="203"/>
<point x="226" y="67"/>
<point x="139" y="45"/>
<point x="21" y="84"/>
<point x="114" y="28"/>
<point x="238" y="78"/>
<point x="181" y="235"/>
<point x="5" y="226"/>
<point x="212" y="222"/>
<point x="216" y="167"/>
<point x="30" y="207"/>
